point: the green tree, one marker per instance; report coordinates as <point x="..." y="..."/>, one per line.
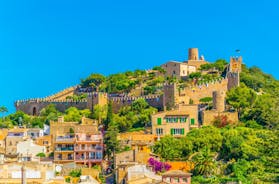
<point x="75" y="173"/>
<point x="169" y="148"/>
<point x="205" y="163"/>
<point x="50" y="113"/>
<point x="41" y="154"/>
<point x="241" y="98"/>
<point x="19" y="118"/>
<point x="100" y="112"/>
<point x="205" y="137"/>
<point x="94" y="80"/>
<point x="110" y="139"/>
<point x="3" y="110"/>
<point x="195" y="75"/>
<point x="73" y="114"/>
<point x="220" y="64"/>
<point x="265" y="111"/>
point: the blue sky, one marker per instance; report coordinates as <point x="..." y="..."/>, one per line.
<point x="46" y="46"/>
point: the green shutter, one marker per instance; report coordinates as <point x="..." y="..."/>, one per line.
<point x="182" y="131"/>
<point x="192" y="121"/>
<point x="159" y="121"/>
<point x="171" y="131"/>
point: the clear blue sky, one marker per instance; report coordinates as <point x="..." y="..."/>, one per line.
<point x="46" y="46"/>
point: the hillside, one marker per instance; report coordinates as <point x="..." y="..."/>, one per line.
<point x="246" y="151"/>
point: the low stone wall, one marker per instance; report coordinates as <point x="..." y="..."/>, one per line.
<point x="209" y="116"/>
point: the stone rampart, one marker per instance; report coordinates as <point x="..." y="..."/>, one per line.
<point x="202" y="90"/>
<point x="153" y="100"/>
<point x="33" y="107"/>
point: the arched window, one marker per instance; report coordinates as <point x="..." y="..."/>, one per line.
<point x="34" y="111"/>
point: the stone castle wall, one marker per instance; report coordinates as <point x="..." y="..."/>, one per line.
<point x="200" y="91"/>
<point x="171" y="97"/>
<point x="153" y="100"/>
<point x="33" y="107"/>
<point x="209" y="116"/>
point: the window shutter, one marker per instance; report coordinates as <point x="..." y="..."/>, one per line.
<point x="182" y="131"/>
<point x="171" y="131"/>
<point x="159" y="121"/>
<point x="192" y="121"/>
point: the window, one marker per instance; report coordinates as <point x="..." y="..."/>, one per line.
<point x="183" y="120"/>
<point x="45" y="142"/>
<point x="173" y="72"/>
<point x="159" y="131"/>
<point x="172" y="119"/>
<point x="192" y="121"/>
<point x="177" y="131"/>
<point x="176" y="179"/>
<point x="159" y="121"/>
<point x="92" y="155"/>
<point x="98" y="155"/>
<point x="184" y="179"/>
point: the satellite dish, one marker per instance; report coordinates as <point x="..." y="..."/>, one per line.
<point x="58" y="168"/>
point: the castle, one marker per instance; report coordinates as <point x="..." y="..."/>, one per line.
<point x="172" y="95"/>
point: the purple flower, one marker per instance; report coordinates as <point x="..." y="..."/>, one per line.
<point x="158" y="166"/>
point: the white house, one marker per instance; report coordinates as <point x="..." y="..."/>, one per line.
<point x="27" y="150"/>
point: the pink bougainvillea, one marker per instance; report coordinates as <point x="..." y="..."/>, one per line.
<point x="158" y="166"/>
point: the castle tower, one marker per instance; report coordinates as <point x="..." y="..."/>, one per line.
<point x="235" y="64"/>
<point x="234" y="71"/>
<point x="170" y="96"/>
<point x="219" y="100"/>
<point x="193" y="54"/>
<point x="97" y="98"/>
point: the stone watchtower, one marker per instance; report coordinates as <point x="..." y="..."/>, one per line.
<point x="233" y="72"/>
<point x="193" y="54"/>
<point x="219" y="100"/>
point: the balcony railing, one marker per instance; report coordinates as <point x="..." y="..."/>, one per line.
<point x="89" y="148"/>
<point x="92" y="159"/>
<point x="65" y="139"/>
<point x="63" y="159"/>
<point x="64" y="149"/>
<point x="88" y="139"/>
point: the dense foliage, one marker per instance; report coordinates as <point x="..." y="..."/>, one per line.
<point x="230" y="153"/>
<point x="138" y="114"/>
<point x="257" y="98"/>
<point x="47" y="114"/>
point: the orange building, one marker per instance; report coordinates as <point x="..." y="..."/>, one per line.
<point x="138" y="141"/>
<point x="74" y="142"/>
<point x="45" y="141"/>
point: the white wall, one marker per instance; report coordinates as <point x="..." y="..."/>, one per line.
<point x="28" y="147"/>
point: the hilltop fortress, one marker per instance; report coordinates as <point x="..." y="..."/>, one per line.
<point x="172" y="95"/>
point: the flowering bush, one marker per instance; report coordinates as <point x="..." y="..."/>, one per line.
<point x="158" y="166"/>
<point x="221" y="121"/>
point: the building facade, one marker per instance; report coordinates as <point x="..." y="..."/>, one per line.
<point x="15" y="136"/>
<point x="27" y="150"/>
<point x="177" y="69"/>
<point x="175" y="122"/>
<point x="80" y="143"/>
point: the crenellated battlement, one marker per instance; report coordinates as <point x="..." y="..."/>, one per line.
<point x="130" y="98"/>
<point x="42" y="100"/>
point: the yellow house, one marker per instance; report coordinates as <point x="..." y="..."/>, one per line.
<point x="137" y="140"/>
<point x="175" y="122"/>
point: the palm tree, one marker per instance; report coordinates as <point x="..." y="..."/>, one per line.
<point x="3" y="110"/>
<point x="205" y="163"/>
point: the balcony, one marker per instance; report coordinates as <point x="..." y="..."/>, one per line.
<point x="96" y="139"/>
<point x="87" y="159"/>
<point x="89" y="148"/>
<point x="68" y="138"/>
<point x="64" y="149"/>
<point x="59" y="159"/>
